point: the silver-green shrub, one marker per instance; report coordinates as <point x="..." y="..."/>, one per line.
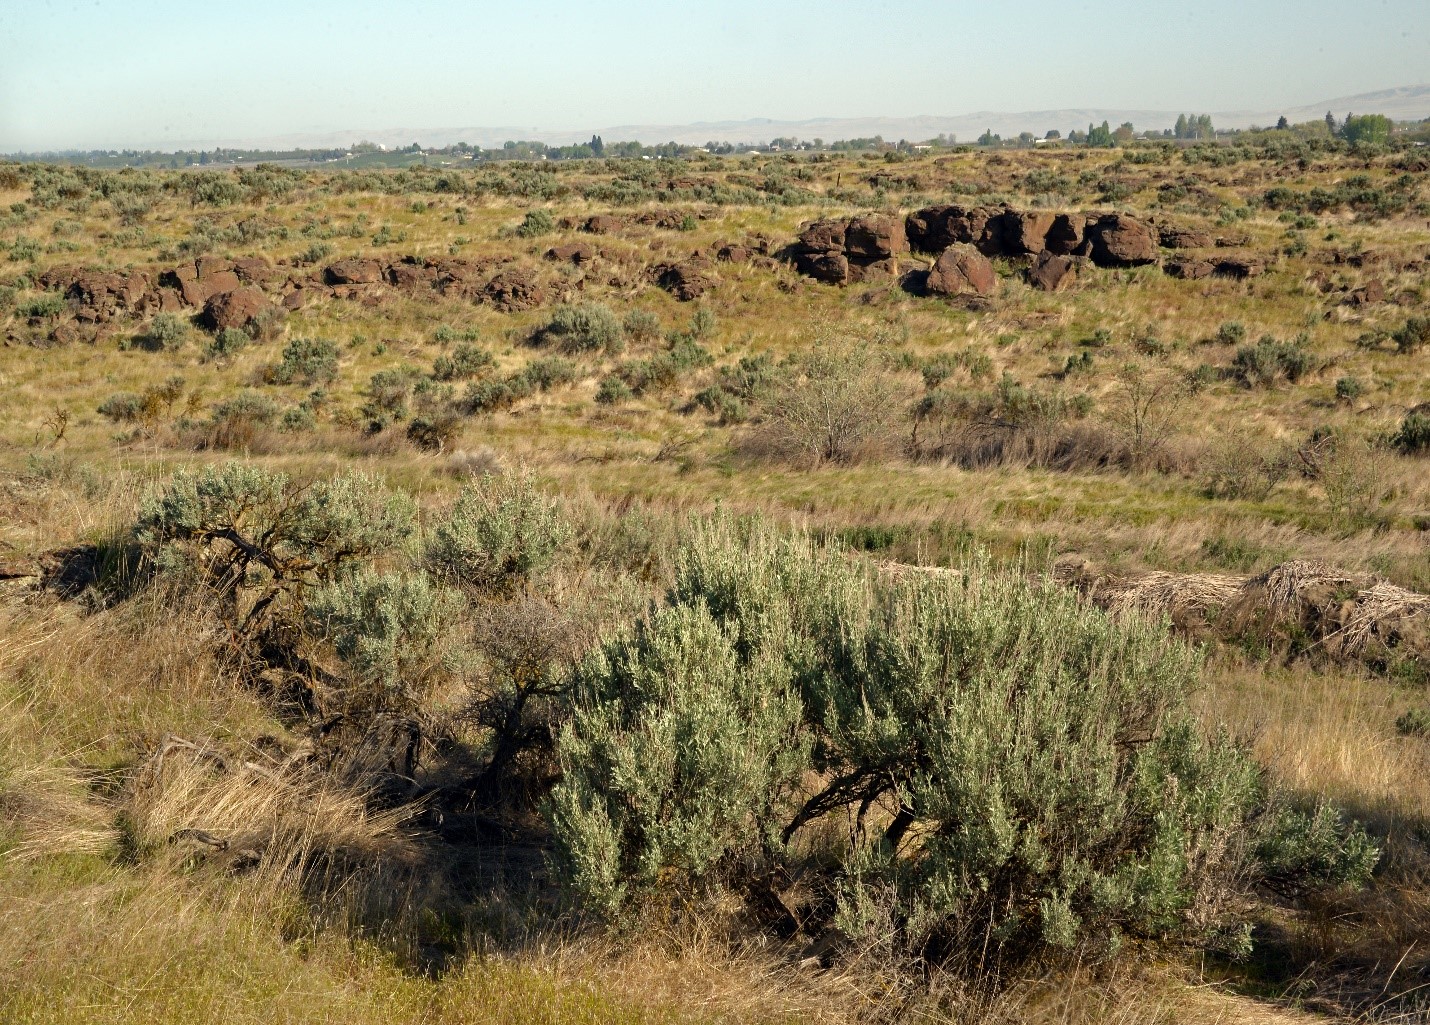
<point x="1016" y="770"/>
<point x="500" y="534"/>
<point x="385" y="628"/>
<point x="256" y="536"/>
<point x="678" y="758"/>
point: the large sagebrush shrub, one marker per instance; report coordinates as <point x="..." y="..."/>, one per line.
<point x="1011" y="770"/>
<point x="256" y="536"/>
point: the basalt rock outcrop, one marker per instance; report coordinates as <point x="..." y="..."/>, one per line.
<point x="847" y="251"/>
<point x="1117" y="240"/>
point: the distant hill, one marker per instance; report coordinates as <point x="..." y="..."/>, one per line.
<point x="1408" y="103"/>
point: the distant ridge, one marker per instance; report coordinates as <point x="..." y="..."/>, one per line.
<point x="1408" y="103"/>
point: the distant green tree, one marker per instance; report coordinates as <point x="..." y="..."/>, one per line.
<point x="1368" y="129"/>
<point x="1100" y="136"/>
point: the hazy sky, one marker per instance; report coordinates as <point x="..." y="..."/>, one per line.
<point x="106" y="73"/>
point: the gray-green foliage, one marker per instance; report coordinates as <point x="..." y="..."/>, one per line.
<point x="1020" y="769"/>
<point x="385" y="627"/>
<point x="257" y="536"/>
<point x="306" y="361"/>
<point x="500" y="534"/>
<point x="166" y="332"/>
<point x="588" y="327"/>
<point x="683" y="743"/>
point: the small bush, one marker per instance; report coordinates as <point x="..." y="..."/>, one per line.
<point x="122" y="407"/>
<point x="1270" y="360"/>
<point x="259" y="540"/>
<point x="1413" y="438"/>
<point x="536" y="222"/>
<point x="613" y="391"/>
<point x="385" y="629"/>
<point x="1043" y="781"/>
<point x="500" y="534"/>
<point x="167" y="332"/>
<point x="1302" y="852"/>
<point x="236" y="424"/>
<point x="434" y="434"/>
<point x="1348" y="389"/>
<point x="1413" y="336"/>
<point x="43" y="306"/>
<point x="641" y="326"/>
<point x="466" y="361"/>
<point x="1414" y="723"/>
<point x="589" y="327"/>
<point x="228" y="342"/>
<point x="307" y="361"/>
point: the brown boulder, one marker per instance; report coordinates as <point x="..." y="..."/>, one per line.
<point x="933" y="229"/>
<point x="97" y="297"/>
<point x="411" y="274"/>
<point x="684" y="281"/>
<point x="831" y="268"/>
<point x="1190" y="270"/>
<point x="209" y="266"/>
<point x="572" y="252"/>
<point x="1239" y="267"/>
<point x="1052" y="271"/>
<point x="733" y="254"/>
<point x="1373" y="291"/>
<point x="1173" y="237"/>
<point x="196" y="288"/>
<point x="874" y="238"/>
<point x="239" y="308"/>
<point x="514" y="290"/>
<point x="1065" y="234"/>
<point x="298" y="298"/>
<point x="962" y="270"/>
<point x="1024" y="234"/>
<point x="603" y="224"/>
<point x="355" y="271"/>
<point x="823" y="236"/>
<point x="1117" y="240"/>
<point x="254" y="270"/>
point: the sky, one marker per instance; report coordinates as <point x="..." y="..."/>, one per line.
<point x="155" y="73"/>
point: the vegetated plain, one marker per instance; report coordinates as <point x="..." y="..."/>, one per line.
<point x="527" y="591"/>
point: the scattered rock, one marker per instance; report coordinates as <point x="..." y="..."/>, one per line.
<point x="196" y="282"/>
<point x="411" y="274"/>
<point x="1190" y="270"/>
<point x="935" y="228"/>
<point x="572" y="252"/>
<point x="858" y="249"/>
<point x="514" y="290"/>
<point x="1173" y="237"/>
<point x="254" y="271"/>
<point x="237" y="309"/>
<point x="1052" y="271"/>
<point x="962" y="270"/>
<point x="1065" y="236"/>
<point x="684" y="281"/>
<point x="1239" y="267"/>
<point x="1371" y="292"/>
<point x="1024" y="234"/>
<point x="603" y="224"/>
<point x="355" y="271"/>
